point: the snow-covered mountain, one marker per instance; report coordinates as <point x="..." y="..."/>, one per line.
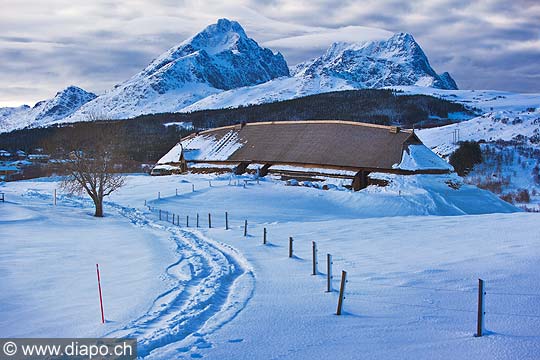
<point x="397" y="61"/>
<point x="45" y="112"/>
<point x="221" y="57"/>
<point x="376" y="64"/>
<point x="222" y="67"/>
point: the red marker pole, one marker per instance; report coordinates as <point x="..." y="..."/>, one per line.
<point x="100" y="296"/>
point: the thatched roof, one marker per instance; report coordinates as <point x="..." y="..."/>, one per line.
<point x="327" y="143"/>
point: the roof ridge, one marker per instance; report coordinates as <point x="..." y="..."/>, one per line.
<point x="287" y="122"/>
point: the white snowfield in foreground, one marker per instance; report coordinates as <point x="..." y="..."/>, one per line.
<point x="213" y="293"/>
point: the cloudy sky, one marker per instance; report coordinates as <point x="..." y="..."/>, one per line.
<point x="48" y="45"/>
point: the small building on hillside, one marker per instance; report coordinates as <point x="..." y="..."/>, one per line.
<point x="304" y="149"/>
<point x="4" y="154"/>
<point x="8" y="172"/>
<point x="21" y="154"/>
<point x="39" y="158"/>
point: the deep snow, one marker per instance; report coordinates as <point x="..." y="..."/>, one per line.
<point x="412" y="279"/>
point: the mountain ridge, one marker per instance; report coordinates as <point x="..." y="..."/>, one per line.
<point x="45" y="112"/>
<point x="222" y="67"/>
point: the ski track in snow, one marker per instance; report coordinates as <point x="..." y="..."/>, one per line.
<point x="211" y="282"/>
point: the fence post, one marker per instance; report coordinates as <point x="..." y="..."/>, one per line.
<point x="480" y="320"/>
<point x="314" y="258"/>
<point x="176" y="192"/>
<point x="167" y="216"/>
<point x="328" y="273"/>
<point x="173" y="216"/>
<point x="264" y="236"/>
<point x="100" y="296"/>
<point x="187" y="220"/>
<point x="54" y="197"/>
<point x="197" y="219"/>
<point x="159" y="214"/>
<point x="341" y="292"/>
<point x="159" y="195"/>
<point x="192" y="187"/>
<point x="290" y="246"/>
<point x="145" y="203"/>
<point x="209" y="221"/>
<point x="245" y="228"/>
<point x="209" y="183"/>
<point x="226" y="220"/>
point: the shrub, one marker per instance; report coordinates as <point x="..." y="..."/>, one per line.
<point x="465" y="157"/>
<point x="523" y="196"/>
<point x="509" y="198"/>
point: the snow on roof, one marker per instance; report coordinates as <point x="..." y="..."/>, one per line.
<point x="8" y="168"/>
<point x="210" y="147"/>
<point x="173" y="155"/>
<point x="419" y="157"/>
<point x="165" y="167"/>
<point x="315" y="142"/>
<point x="336" y="143"/>
<point x="203" y="147"/>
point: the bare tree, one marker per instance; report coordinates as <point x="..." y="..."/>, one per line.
<point x="93" y="174"/>
<point x="91" y="164"/>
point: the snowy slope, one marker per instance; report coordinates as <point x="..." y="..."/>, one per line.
<point x="521" y="126"/>
<point x="48" y="261"/>
<point x="45" y="112"/>
<point x="411" y="292"/>
<point x="221" y="57"/>
<point x="483" y="100"/>
<point x="280" y="89"/>
<point x="510" y="142"/>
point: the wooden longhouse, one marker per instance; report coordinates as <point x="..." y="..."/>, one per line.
<point x="305" y="149"/>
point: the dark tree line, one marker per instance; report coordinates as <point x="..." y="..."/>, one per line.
<point x="139" y="141"/>
<point x="373" y="106"/>
<point x="145" y="138"/>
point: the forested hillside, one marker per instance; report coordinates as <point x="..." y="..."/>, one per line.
<point x="145" y="138"/>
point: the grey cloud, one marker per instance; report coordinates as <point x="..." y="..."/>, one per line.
<point x="45" y="46"/>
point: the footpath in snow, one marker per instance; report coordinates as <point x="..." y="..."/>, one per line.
<point x="412" y="279"/>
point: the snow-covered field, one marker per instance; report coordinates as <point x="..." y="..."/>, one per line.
<point x="188" y="292"/>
